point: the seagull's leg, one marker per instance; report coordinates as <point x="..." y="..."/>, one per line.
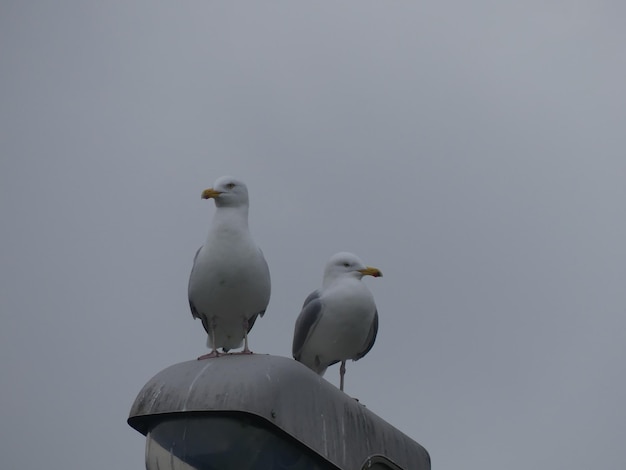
<point x="246" y="349"/>
<point x="214" y="352"/>
<point x="342" y="372"/>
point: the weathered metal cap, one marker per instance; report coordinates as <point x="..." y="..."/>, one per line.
<point x="285" y="394"/>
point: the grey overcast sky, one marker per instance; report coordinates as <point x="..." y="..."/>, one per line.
<point x="474" y="151"/>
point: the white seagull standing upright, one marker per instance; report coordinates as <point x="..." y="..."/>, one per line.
<point x="339" y="321"/>
<point x="229" y="285"/>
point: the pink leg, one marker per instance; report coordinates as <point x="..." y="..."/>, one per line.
<point x="246" y="350"/>
<point x="213" y="353"/>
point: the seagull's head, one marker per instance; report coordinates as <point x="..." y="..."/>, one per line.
<point x="227" y="191"/>
<point x="348" y="264"/>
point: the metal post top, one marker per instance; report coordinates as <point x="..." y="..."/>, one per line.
<point x="284" y="393"/>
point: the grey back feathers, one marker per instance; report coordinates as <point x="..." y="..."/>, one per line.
<point x="306" y="322"/>
<point x="371" y="338"/>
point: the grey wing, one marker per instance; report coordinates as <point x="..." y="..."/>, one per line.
<point x="312" y="296"/>
<point x="306" y="322"/>
<point x="195" y="257"/>
<point x="194" y="311"/>
<point x="253" y="318"/>
<point x="371" y="338"/>
<point x="261" y="313"/>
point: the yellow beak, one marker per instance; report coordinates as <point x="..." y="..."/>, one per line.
<point x="369" y="271"/>
<point x="210" y="193"/>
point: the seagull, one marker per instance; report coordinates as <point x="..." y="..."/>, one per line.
<point x="229" y="285"/>
<point x="339" y="321"/>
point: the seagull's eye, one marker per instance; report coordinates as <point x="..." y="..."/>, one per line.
<point x="230" y="185"/>
<point x="347" y="265"/>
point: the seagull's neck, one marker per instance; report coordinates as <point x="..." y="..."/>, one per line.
<point x="230" y="219"/>
<point x="331" y="279"/>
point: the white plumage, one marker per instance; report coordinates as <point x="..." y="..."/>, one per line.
<point x="339" y="321"/>
<point x="229" y="285"/>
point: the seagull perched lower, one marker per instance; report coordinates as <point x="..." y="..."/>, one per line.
<point x="339" y="321"/>
<point x="229" y="285"/>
